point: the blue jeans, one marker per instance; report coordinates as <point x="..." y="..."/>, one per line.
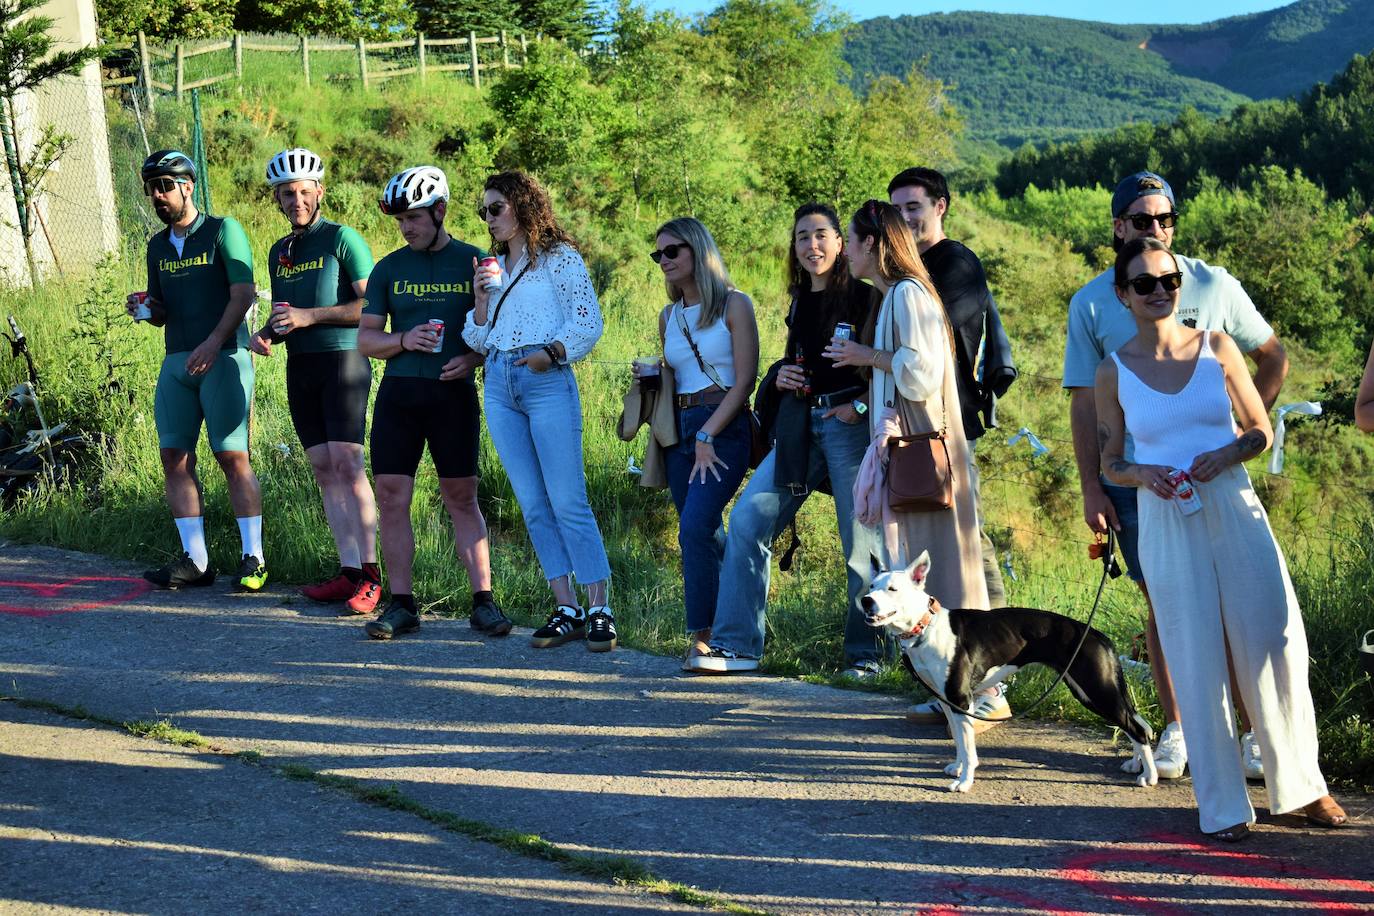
<point x="535" y="420"/>
<point x="763" y="510"/>
<point x="1128" y="538"/>
<point x="700" y="505"/>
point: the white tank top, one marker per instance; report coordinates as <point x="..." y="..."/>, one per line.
<point x="1173" y="429"/>
<point x="714" y="342"/>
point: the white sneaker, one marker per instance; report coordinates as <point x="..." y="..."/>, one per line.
<point x="721" y="661"/>
<point x="928" y="713"/>
<point x="1250" y="756"/>
<point x="990" y="706"/>
<point x="1171" y="756"/>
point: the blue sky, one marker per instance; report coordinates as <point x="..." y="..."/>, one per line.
<point x="1159" y="11"/>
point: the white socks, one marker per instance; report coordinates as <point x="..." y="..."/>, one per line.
<point x="250" y="532"/>
<point x="192" y="531"/>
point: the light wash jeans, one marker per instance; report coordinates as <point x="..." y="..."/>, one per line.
<point x="535" y="420"/>
<point x="761" y="513"/>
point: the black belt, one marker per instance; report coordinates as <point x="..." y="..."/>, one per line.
<point x="711" y="395"/>
<point x="836" y="398"/>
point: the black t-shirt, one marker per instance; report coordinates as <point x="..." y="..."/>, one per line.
<point x="963" y="287"/>
<point x="812" y="329"/>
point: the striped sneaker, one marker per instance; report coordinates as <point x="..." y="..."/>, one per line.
<point x="564" y="625"/>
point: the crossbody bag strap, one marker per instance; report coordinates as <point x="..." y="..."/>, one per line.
<point x="705" y="366"/>
<point x="491" y="325"/>
<point x="944" y="408"/>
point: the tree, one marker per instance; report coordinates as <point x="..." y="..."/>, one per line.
<point x="374" y="19"/>
<point x="572" y="21"/>
<point x="452" y="18"/>
<point x="120" y="20"/>
<point x="26" y="62"/>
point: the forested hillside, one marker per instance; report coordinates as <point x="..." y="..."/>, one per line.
<point x="1035" y="78"/>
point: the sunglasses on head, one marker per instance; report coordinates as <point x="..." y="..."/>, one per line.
<point x="1145" y="283"/>
<point x="493" y="209"/>
<point x="668" y="251"/>
<point x="162" y="185"/>
<point x="1142" y="221"/>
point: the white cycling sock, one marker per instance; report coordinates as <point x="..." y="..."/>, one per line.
<point x="192" y="531"/>
<point x="250" y="532"/>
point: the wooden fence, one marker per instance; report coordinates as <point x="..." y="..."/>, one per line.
<point x="304" y="46"/>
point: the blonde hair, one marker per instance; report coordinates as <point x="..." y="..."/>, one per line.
<point x="708" y="268"/>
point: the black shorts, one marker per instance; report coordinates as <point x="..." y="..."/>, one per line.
<point x="412" y="412"/>
<point x="327" y="393"/>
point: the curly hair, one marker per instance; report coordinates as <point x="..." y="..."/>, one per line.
<point x="533" y="211"/>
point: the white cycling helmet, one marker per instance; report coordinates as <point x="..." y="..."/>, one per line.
<point x="294" y="165"/>
<point x="413" y="189"/>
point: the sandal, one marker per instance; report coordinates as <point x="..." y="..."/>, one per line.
<point x="1324" y="812"/>
<point x="1231" y="834"/>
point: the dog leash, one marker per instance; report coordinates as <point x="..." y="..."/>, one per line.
<point x="1110" y="569"/>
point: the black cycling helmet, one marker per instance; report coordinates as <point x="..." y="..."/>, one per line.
<point x="168" y="163"/>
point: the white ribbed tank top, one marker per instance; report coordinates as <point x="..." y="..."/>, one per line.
<point x="1173" y="429"/>
<point x="714" y="342"/>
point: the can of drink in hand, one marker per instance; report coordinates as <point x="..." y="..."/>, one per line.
<point x="844" y="331"/>
<point x="277" y="309"/>
<point x="141" y="310"/>
<point x="493" y="280"/>
<point x="1184" y="491"/>
<point x="438" y="325"/>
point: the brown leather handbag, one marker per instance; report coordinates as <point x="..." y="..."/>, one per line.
<point x="919" y="475"/>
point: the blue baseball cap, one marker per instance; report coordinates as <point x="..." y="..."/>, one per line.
<point x="1141" y="184"/>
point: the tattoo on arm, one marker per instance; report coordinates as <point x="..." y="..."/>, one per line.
<point x="1103" y="434"/>
<point x="1120" y="466"/>
<point x="1250" y="444"/>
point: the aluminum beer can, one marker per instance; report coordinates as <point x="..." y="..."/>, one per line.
<point x="494" y="279"/>
<point x="279" y="307"/>
<point x="844" y="331"/>
<point x="438" y="325"/>
<point x="1184" y="491"/>
<point x="141" y="310"/>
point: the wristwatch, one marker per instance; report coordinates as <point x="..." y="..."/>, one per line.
<point x="704" y="436"/>
<point x="860" y="407"/>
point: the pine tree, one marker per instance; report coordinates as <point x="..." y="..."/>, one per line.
<point x="454" y="18"/>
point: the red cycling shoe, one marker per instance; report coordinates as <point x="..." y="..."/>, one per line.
<point x="365" y="597"/>
<point x="339" y="588"/>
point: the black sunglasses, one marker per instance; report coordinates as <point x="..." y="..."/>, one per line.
<point x="1142" y="221"/>
<point x="164" y="185"/>
<point x="1145" y="283"/>
<point x="495" y="208"/>
<point x="668" y="251"/>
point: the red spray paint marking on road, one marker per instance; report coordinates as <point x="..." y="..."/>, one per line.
<point x="116" y="590"/>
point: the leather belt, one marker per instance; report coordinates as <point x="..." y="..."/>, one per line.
<point x="835" y="398"/>
<point x="709" y="396"/>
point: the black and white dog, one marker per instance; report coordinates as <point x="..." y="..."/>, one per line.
<point x="956" y="653"/>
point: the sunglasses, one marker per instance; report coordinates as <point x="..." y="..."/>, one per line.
<point x="1145" y="283"/>
<point x="493" y="209"/>
<point x="668" y="251"/>
<point x="1142" y="221"/>
<point x="161" y="185"/>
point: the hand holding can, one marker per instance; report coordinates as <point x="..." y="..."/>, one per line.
<point x="1185" y="494"/>
<point x="438" y="325"/>
<point x="649" y="371"/>
<point x="489" y="270"/>
<point x="137" y="306"/>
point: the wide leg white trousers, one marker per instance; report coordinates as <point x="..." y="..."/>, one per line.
<point x="1214" y="576"/>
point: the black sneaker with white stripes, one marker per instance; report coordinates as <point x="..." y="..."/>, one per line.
<point x="563" y="625"/>
<point x="600" y="629"/>
<point x="180" y="573"/>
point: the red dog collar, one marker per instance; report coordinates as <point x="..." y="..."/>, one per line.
<point x="916" y="631"/>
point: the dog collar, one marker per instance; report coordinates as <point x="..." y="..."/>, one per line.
<point x="915" y="632"/>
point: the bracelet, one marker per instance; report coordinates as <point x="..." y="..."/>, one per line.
<point x="553" y="354"/>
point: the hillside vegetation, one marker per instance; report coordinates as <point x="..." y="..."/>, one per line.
<point x="1035" y="78"/>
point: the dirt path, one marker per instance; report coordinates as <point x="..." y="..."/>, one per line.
<point x="771" y="794"/>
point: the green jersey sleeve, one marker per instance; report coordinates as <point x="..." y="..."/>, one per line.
<point x="154" y="278"/>
<point x="374" y="302"/>
<point x="355" y="257"/>
<point x="236" y="252"/>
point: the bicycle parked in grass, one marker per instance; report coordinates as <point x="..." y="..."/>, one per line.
<point x="31" y="454"/>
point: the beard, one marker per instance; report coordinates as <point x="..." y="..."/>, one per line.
<point x="169" y="214"/>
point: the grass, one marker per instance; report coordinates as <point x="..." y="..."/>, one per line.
<point x="100" y="372"/>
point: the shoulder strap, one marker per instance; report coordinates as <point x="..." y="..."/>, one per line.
<point x="944" y="408"/>
<point x="491" y="325"/>
<point x="705" y="366"/>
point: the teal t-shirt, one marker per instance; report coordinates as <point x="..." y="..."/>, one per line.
<point x="411" y="287"/>
<point x="193" y="286"/>
<point x="326" y="260"/>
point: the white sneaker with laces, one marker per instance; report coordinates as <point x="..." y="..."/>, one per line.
<point x="1171" y="756"/>
<point x="1250" y="756"/>
<point x="991" y="706"/>
<point x="928" y="713"/>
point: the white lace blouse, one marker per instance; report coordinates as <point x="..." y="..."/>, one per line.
<point x="554" y="301"/>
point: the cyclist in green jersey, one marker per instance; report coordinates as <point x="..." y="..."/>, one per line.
<point x="427" y="397"/>
<point x="319" y="270"/>
<point x="200" y="285"/>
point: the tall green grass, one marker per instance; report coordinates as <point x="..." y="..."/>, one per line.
<point x="100" y="371"/>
